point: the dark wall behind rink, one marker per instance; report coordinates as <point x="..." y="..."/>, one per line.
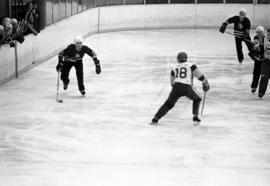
<point x="4" y="8"/>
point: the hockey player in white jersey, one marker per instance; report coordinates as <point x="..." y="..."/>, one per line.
<point x="182" y="85"/>
<point x="265" y="72"/>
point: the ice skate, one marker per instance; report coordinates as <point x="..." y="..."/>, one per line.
<point x="65" y="86"/>
<point x="196" y="121"/>
<point x="154" y="121"/>
<point x="83" y="93"/>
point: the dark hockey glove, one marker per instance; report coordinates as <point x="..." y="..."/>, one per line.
<point x="98" y="69"/>
<point x="59" y="67"/>
<point x="223" y="28"/>
<point x="206" y="86"/>
<point x="256" y="47"/>
<point x="254" y="56"/>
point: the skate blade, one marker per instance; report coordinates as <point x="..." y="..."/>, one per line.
<point x="196" y="123"/>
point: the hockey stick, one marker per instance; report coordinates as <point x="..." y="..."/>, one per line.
<point x="158" y="94"/>
<point x="238" y="36"/>
<point x="204" y="96"/>
<point x="57" y="90"/>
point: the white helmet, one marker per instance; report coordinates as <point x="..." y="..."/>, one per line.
<point x="78" y="40"/>
<point x="7" y="19"/>
<point x="243" y="12"/>
<point x="14" y="21"/>
<point x="259" y="29"/>
<point x="2" y="28"/>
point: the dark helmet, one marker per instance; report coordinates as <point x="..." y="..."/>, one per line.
<point x="182" y="57"/>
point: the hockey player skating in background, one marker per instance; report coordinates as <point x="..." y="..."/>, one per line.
<point x="265" y="74"/>
<point x="72" y="56"/>
<point x="257" y="54"/>
<point x="241" y="31"/>
<point x="182" y="85"/>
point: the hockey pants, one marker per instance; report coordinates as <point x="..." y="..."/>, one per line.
<point x="239" y="48"/>
<point x="79" y="72"/>
<point x="180" y="90"/>
<point x="256" y="74"/>
<point x="265" y="75"/>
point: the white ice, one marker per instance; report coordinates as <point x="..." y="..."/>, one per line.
<point x="105" y="138"/>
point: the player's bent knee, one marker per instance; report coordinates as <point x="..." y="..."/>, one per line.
<point x="169" y="104"/>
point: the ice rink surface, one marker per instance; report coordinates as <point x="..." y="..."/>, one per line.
<point x="105" y="138"/>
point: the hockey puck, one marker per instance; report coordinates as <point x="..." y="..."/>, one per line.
<point x="60" y="101"/>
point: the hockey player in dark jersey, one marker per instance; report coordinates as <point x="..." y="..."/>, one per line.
<point x="241" y="31"/>
<point x="265" y="74"/>
<point x="182" y="85"/>
<point x="257" y="54"/>
<point x="72" y="56"/>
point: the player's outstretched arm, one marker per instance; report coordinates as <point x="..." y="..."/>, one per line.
<point x="64" y="55"/>
<point x="98" y="68"/>
<point x="223" y="27"/>
<point x="93" y="55"/>
<point x="226" y="23"/>
<point x="60" y="63"/>
<point x="196" y="72"/>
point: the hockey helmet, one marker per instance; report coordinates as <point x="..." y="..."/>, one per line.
<point x="14" y="21"/>
<point x="243" y="12"/>
<point x="2" y="28"/>
<point x="9" y="27"/>
<point x="78" y="40"/>
<point x="259" y="29"/>
<point x="182" y="57"/>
